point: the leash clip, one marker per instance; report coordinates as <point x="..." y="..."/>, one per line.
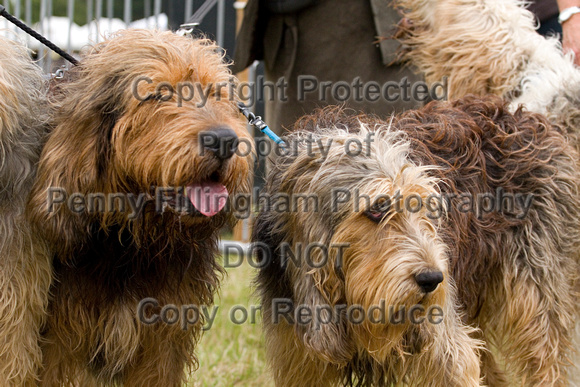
<point x="60" y="73"/>
<point x="257" y="122"/>
<point x="187" y="29"/>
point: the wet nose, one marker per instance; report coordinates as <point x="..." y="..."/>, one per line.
<point x="223" y="142"/>
<point x="428" y="281"/>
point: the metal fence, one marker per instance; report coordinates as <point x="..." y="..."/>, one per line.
<point x="99" y="21"/>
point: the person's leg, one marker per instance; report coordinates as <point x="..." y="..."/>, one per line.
<point x="550" y="27"/>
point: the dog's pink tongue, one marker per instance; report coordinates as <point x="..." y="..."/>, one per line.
<point x="208" y="197"/>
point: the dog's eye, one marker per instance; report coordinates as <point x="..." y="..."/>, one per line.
<point x="379" y="210"/>
<point x="153" y="97"/>
<point x="218" y="94"/>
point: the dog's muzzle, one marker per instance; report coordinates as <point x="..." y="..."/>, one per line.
<point x="429" y="281"/>
<point x="222" y="142"/>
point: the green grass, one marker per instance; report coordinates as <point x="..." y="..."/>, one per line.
<point x="230" y="354"/>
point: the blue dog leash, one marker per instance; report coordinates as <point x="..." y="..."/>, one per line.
<point x="257" y="122"/>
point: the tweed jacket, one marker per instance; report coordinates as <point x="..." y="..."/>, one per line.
<point x="330" y="40"/>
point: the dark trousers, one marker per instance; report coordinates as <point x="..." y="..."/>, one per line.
<point x="550" y="27"/>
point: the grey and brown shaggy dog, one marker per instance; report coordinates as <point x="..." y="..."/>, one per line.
<point x="491" y="47"/>
<point x="120" y="134"/>
<point x="25" y="271"/>
<point x="505" y="265"/>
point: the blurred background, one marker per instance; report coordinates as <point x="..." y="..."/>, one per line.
<point x="73" y="24"/>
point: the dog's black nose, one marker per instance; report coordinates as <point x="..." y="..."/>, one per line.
<point x="428" y="281"/>
<point x="223" y="142"/>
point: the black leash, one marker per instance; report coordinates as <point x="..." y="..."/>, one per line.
<point x="199" y="15"/>
<point x="37" y="36"/>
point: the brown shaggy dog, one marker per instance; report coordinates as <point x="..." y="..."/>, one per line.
<point x="121" y="132"/>
<point x="25" y="271"/>
<point x="510" y="259"/>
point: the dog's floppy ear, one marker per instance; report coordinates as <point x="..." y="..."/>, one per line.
<point x="53" y="215"/>
<point x="319" y="288"/>
<point x="74" y="161"/>
<point x="272" y="281"/>
<point x="287" y="273"/>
